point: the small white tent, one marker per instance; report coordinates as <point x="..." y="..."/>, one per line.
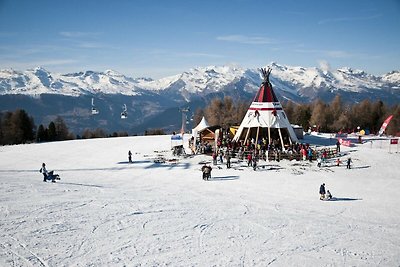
<point x="201" y="126"/>
<point x="265" y="118"/>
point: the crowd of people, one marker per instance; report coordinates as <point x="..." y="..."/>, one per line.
<point x="252" y="151"/>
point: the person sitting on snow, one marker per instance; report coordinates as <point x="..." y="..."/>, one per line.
<point x="328" y="195"/>
<point x="48" y="175"/>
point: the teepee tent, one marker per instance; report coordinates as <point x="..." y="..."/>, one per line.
<point x="265" y="118"/>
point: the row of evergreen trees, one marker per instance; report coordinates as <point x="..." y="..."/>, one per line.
<point x="335" y="116"/>
<point x="19" y="128"/>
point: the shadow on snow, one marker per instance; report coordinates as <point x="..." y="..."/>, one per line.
<point x="344" y="199"/>
<point x="224" y="178"/>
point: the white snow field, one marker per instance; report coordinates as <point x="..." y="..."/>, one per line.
<point x="107" y="212"/>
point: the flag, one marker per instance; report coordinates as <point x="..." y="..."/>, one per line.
<point x="385" y="124"/>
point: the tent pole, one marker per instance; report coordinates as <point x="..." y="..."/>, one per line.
<point x="269" y="135"/>
<point x="280" y="135"/>
<point x="290" y="138"/>
<point x="247" y="135"/>
<point x="258" y="131"/>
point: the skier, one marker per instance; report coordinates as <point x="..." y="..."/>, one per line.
<point x="322" y="191"/>
<point x="349" y="161"/>
<point x="130" y="156"/>
<point x="48" y="175"/>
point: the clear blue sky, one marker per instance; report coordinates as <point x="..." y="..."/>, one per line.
<point x="157" y="38"/>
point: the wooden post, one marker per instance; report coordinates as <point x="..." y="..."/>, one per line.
<point x="288" y="133"/>
<point x="280" y="135"/>
<point x="258" y="131"/>
<point x="269" y="135"/>
<point x="247" y="135"/>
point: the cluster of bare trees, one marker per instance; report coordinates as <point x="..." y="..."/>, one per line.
<point x="327" y="117"/>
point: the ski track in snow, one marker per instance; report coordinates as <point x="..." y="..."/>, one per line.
<point x="151" y="214"/>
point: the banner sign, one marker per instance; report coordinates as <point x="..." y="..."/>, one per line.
<point x="344" y="142"/>
<point x="394" y="141"/>
<point x="385" y="124"/>
<point x="176" y="137"/>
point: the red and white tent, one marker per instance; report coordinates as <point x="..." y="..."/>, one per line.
<point x="265" y="118"/>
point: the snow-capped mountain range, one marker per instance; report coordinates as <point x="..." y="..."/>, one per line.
<point x="155" y="103"/>
<point x="294" y="83"/>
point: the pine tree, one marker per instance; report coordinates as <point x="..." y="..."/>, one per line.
<point x="52" y="132"/>
<point x="41" y="134"/>
<point x="62" y="132"/>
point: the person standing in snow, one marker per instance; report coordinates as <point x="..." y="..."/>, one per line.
<point x="206" y="172"/>
<point x="228" y="159"/>
<point x="214" y="157"/>
<point x="349" y="161"/>
<point x="130" y="156"/>
<point x="337" y="146"/>
<point x="254" y="162"/>
<point x="249" y="159"/>
<point x="310" y="154"/>
<point x="322" y="191"/>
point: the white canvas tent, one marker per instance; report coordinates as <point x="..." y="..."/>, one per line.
<point x="200" y="127"/>
<point x="265" y="118"/>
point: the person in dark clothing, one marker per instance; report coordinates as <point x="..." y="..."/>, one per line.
<point x="206" y="172"/>
<point x="322" y="191"/>
<point x="349" y="161"/>
<point x="228" y="159"/>
<point x="337" y="146"/>
<point x="254" y="162"/>
<point x="130" y="156"/>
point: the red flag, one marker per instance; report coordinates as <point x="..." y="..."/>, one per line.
<point x="385" y="124"/>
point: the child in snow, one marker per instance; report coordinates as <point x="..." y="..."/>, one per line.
<point x="328" y="195"/>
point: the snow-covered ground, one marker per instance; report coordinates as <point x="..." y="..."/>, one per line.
<point x="106" y="212"/>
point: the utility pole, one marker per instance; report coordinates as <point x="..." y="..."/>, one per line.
<point x="184" y="112"/>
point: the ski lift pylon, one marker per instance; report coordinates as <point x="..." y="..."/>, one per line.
<point x="95" y="111"/>
<point x="124" y="113"/>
